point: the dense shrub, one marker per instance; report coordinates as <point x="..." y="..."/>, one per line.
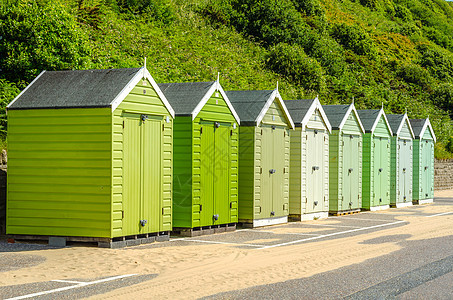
<point x="442" y="96"/>
<point x="438" y="62"/>
<point x="355" y="38"/>
<point x="8" y="91"/>
<point x="36" y="37"/>
<point x="415" y="74"/>
<point x="158" y="10"/>
<point x="403" y="13"/>
<point x="310" y="7"/>
<point x="292" y="62"/>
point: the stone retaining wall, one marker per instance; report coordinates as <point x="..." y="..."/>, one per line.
<point x="443" y="174"/>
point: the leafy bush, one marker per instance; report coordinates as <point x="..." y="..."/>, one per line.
<point x="36" y="37"/>
<point x="355" y="38"/>
<point x="310" y="7"/>
<point x="403" y="13"/>
<point x="415" y="74"/>
<point x="158" y="10"/>
<point x="438" y="62"/>
<point x="442" y="96"/>
<point x="292" y="62"/>
<point x="8" y="91"/>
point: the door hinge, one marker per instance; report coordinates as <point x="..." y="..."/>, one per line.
<point x="261" y="131"/>
<point x="231" y="132"/>
<point x="122" y="214"/>
<point x="261" y="170"/>
<point x="162" y="210"/>
<point x="284" y="170"/>
<point x="123" y="124"/>
<point x="201" y="207"/>
<point x="163" y="127"/>
<point x="260" y="210"/>
<point x="324" y="138"/>
<point x="284" y="133"/>
<point x="231" y="205"/>
<point x="201" y="129"/>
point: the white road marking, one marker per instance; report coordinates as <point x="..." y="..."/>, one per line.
<point x="269" y="231"/>
<point x="82" y="284"/>
<point x="332" y="225"/>
<point x="223" y="243"/>
<point x="441" y="214"/>
<point x="68" y="281"/>
<point x="345" y="218"/>
<point x="331" y="234"/>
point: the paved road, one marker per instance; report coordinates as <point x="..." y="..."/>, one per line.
<point x="421" y="269"/>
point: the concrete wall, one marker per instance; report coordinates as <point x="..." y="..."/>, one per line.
<point x="443" y="174"/>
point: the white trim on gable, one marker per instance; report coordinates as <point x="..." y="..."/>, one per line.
<point x="20" y="94"/>
<point x="382" y="113"/>
<point x="316" y="105"/>
<point x="142" y="73"/>
<point x="405" y="118"/>
<point x="274" y="95"/>
<point x="215" y="87"/>
<point x="346" y="115"/>
<point x="427" y="124"/>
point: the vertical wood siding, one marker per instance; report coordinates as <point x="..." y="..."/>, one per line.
<point x="246" y="172"/>
<point x="394" y="178"/>
<point x="143" y="99"/>
<point x="215" y="110"/>
<point x="335" y="169"/>
<point x="417" y="169"/>
<point x="367" y="173"/>
<point x="296" y="172"/>
<point x="59" y="172"/>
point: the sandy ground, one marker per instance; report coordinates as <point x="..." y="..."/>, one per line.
<point x="192" y="271"/>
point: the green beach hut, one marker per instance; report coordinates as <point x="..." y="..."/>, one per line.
<point x="205" y="157"/>
<point x="309" y="160"/>
<point x="401" y="161"/>
<point x="375" y="160"/>
<point x="345" y="159"/>
<point x="263" y="157"/>
<point x="423" y="161"/>
<point x="90" y="155"/>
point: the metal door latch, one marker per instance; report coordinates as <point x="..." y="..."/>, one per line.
<point x="426" y="167"/>
<point x="350" y="170"/>
<point x="215" y="217"/>
<point x="272" y="213"/>
<point x="143" y="222"/>
<point x="144" y="117"/>
<point x="404" y="169"/>
<point x="315" y="203"/>
<point x="350" y="203"/>
<point x="380" y="169"/>
<point x="272" y="171"/>
<point x="315" y="168"/>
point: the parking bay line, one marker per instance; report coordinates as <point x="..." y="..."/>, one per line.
<point x="330" y="234"/>
<point x="82" y="284"/>
<point x="441" y="214"/>
<point x="222" y="243"/>
<point x="359" y="219"/>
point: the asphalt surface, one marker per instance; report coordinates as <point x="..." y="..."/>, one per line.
<point x="76" y="293"/>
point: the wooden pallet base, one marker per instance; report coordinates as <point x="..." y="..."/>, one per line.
<point x="113" y="243"/>
<point x="204" y="230"/>
<point x="345" y="212"/>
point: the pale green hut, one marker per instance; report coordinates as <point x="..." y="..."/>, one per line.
<point x="345" y="159"/>
<point x="263" y="156"/>
<point x="376" y="160"/>
<point x="401" y="161"/>
<point x="309" y="160"/>
<point x="423" y="161"/>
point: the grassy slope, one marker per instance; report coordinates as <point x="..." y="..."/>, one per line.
<point x="193" y="48"/>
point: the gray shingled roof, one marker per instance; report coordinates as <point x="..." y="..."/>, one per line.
<point x="75" y="89"/>
<point x="417" y="126"/>
<point x="184" y="97"/>
<point x="248" y="104"/>
<point x="394" y="122"/>
<point x="368" y="117"/>
<point x="335" y="114"/>
<point x="298" y="109"/>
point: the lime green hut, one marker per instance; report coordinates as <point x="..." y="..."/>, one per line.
<point x="309" y="160"/>
<point x="401" y="161"/>
<point x="423" y="161"/>
<point x="206" y="157"/>
<point x="90" y="158"/>
<point x="345" y="158"/>
<point x="263" y="157"/>
<point x="376" y="160"/>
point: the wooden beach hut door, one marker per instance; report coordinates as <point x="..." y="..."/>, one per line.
<point x="272" y="171"/>
<point x="427" y="169"/>
<point x="214" y="172"/>
<point x="404" y="185"/>
<point x="315" y="170"/>
<point x="351" y="146"/>
<point x="381" y="171"/>
<point x="142" y="140"/>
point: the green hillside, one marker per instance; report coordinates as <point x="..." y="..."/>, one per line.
<point x="393" y="52"/>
